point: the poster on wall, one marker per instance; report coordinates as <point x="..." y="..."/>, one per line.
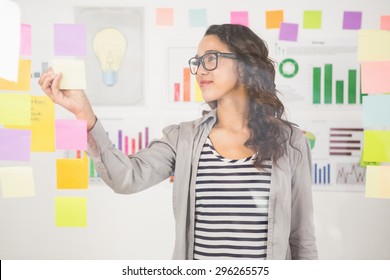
<point x="115" y="54"/>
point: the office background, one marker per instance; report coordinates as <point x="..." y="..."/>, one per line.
<point x="154" y="90"/>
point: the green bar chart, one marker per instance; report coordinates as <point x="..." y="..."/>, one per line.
<point x="326" y="90"/>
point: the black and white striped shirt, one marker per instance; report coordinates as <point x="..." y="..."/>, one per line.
<point x="231" y="211"/>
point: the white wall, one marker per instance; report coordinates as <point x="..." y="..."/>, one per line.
<point x="141" y="226"/>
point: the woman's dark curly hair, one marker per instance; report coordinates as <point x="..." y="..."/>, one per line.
<point x="256" y="72"/>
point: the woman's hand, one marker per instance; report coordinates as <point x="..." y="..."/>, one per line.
<point x="74" y="101"/>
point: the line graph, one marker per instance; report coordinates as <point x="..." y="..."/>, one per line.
<point x="350" y="173"/>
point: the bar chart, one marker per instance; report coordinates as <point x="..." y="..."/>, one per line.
<point x="328" y="90"/>
<point x="321" y="174"/>
<point x="182" y="86"/>
<point x="346" y="141"/>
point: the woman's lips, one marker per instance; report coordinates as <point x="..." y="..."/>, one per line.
<point x="204" y="83"/>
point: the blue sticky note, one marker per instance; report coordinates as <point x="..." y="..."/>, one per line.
<point x="197" y="17"/>
<point x="376" y="113"/>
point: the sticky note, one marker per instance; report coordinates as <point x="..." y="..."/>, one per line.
<point x="70" y="39"/>
<point x="288" y="31"/>
<point x="273" y="19"/>
<point x="23" y="80"/>
<point x="15" y="109"/>
<point x="164" y="16"/>
<point x="72" y="173"/>
<point x="73" y="73"/>
<point x="375" y="77"/>
<point x="312" y="19"/>
<point x="25" y="39"/>
<point x="385" y="22"/>
<point x="15" y="144"/>
<point x="374" y="45"/>
<point x="197" y="17"/>
<point x="10" y="40"/>
<point x="17" y="181"/>
<point x="376" y="146"/>
<point x="71" y="211"/>
<point x="71" y="134"/>
<point x="378" y="182"/>
<point x="239" y="17"/>
<point x="376" y="111"/>
<point x="352" y="20"/>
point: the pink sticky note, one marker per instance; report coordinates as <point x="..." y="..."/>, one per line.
<point x="25" y="39"/>
<point x="385" y="22"/>
<point x="375" y="76"/>
<point x="70" y="39"/>
<point x="239" y="18"/>
<point x="352" y="20"/>
<point x="15" y="144"/>
<point x="288" y="31"/>
<point x="164" y="16"/>
<point x="71" y="135"/>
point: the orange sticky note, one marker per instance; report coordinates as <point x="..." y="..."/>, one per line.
<point x="24" y="78"/>
<point x="72" y="173"/>
<point x="274" y="19"/>
<point x="378" y="182"/>
<point x="385" y="22"/>
<point x="164" y="16"/>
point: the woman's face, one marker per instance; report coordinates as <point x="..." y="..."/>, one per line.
<point x="222" y="81"/>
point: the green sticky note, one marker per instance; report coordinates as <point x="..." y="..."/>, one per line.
<point x="312" y="19"/>
<point x="71" y="211"/>
<point x="376" y="146"/>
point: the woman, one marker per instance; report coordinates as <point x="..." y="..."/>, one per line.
<point x="242" y="185"/>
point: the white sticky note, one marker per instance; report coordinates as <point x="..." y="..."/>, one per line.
<point x="17" y="181"/>
<point x="73" y="73"/>
<point x="10" y="40"/>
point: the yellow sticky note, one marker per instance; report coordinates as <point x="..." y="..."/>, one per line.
<point x="374" y="45"/>
<point x="72" y="173"/>
<point x="24" y="78"/>
<point x="378" y="181"/>
<point x="71" y="211"/>
<point x="376" y="146"/>
<point x="15" y="109"/>
<point x="42" y="124"/>
<point x="73" y="73"/>
<point x="274" y="19"/>
<point x="17" y="181"/>
<point x="312" y="19"/>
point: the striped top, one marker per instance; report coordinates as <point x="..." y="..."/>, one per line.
<point x="231" y="211"/>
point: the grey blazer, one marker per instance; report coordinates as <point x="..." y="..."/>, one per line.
<point x="290" y="224"/>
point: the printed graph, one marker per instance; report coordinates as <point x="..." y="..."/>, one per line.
<point x="350" y="173"/>
<point x="328" y="90"/>
<point x="322" y="174"/>
<point x="346" y="141"/>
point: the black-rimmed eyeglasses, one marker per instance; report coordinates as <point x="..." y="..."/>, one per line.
<point x="209" y="61"/>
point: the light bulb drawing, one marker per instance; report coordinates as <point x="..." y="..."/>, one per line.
<point x="109" y="45"/>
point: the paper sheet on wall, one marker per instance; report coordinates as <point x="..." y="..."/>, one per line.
<point x="10" y="40"/>
<point x="378" y="182"/>
<point x="273" y="19"/>
<point x="164" y="16"/>
<point x="25" y="40"/>
<point x="72" y="173"/>
<point x="23" y="80"/>
<point x="71" y="211"/>
<point x="15" y="109"/>
<point x="70" y="40"/>
<point x="73" y="73"/>
<point x="17" y="181"/>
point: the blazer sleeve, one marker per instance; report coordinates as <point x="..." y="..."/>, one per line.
<point x="133" y="173"/>
<point x="302" y="235"/>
